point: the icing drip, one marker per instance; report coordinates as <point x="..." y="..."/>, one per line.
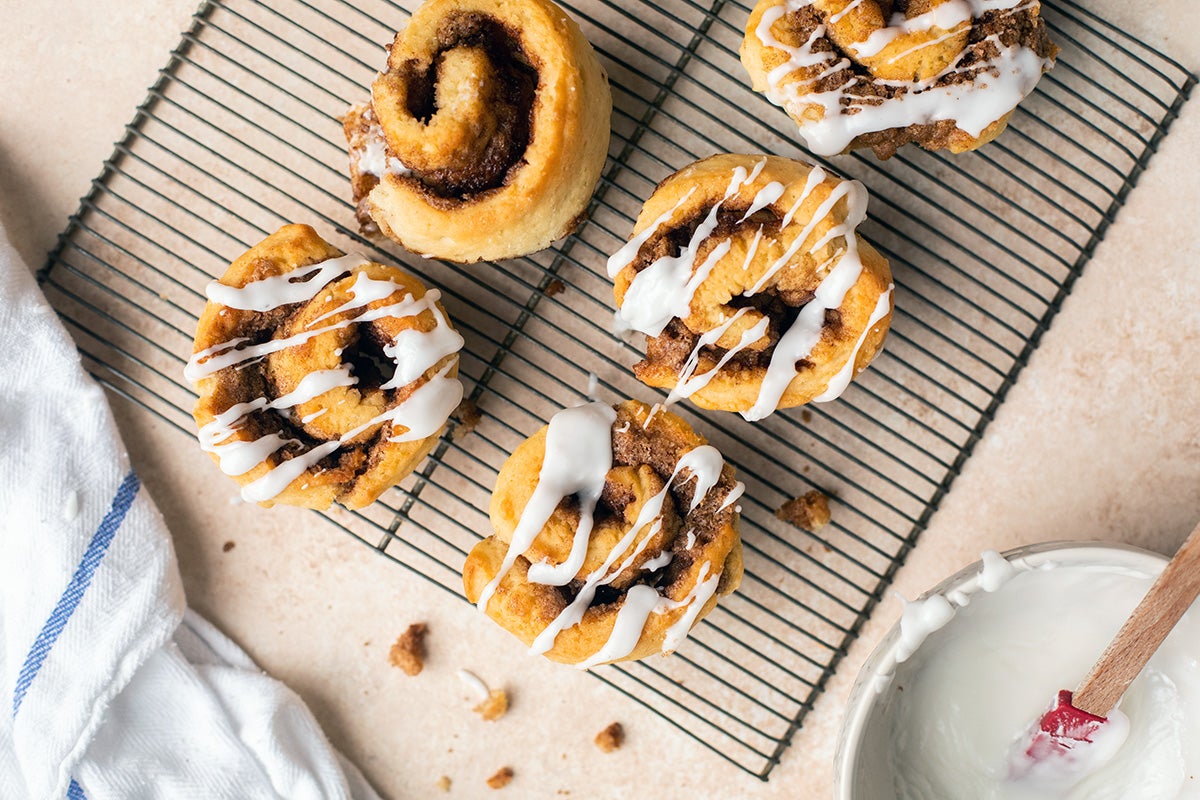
<point x="997" y="85"/>
<point x="839" y="382"/>
<point x="578" y="457"/>
<point x="375" y="158"/>
<point x="412" y="351"/>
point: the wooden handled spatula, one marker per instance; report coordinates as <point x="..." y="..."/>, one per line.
<point x="1076" y="717"/>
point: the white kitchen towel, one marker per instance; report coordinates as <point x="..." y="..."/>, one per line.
<point x="108" y="688"/>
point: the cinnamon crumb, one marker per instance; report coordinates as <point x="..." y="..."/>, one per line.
<point x="408" y="653"/>
<point x="502" y="778"/>
<point x="806" y="415"/>
<point x="810" y="511"/>
<point x="610" y="738"/>
<point x="468" y="417"/>
<point x="228" y="546"/>
<point x="494" y="707"/>
<point x="555" y="287"/>
<point x="443" y="783"/>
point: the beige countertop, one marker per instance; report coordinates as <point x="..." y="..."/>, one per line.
<point x="1099" y="439"/>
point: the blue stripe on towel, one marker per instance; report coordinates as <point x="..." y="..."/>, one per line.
<point x="75" y="791"/>
<point x="71" y="596"/>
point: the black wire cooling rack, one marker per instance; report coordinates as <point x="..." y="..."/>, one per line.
<point x="240" y="134"/>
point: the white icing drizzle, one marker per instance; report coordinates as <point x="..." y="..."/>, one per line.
<point x="374" y="158"/>
<point x="799" y="340"/>
<point x="839" y="382"/>
<point x="474" y="684"/>
<point x="578" y="457"/>
<point x="996" y="87"/>
<point x="413" y="352"/>
<point x="577" y="460"/>
<point x="694" y="602"/>
<point x="664" y="289"/>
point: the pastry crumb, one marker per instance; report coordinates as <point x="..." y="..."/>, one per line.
<point x="228" y="546"/>
<point x="408" y="653"/>
<point x="502" y="778"/>
<point x="494" y="707"/>
<point x="468" y="417"/>
<point x="443" y="783"/>
<point x="555" y="287"/>
<point x="810" y="511"/>
<point x="611" y="738"/>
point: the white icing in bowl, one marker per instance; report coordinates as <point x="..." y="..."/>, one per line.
<point x="939" y="704"/>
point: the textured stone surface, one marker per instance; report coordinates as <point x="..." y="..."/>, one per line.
<point x="1099" y="439"/>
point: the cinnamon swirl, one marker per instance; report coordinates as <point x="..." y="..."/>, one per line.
<point x="945" y="74"/>
<point x="615" y="530"/>
<point x="486" y="135"/>
<point x="322" y="377"/>
<point x="752" y="286"/>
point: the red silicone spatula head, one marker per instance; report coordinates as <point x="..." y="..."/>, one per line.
<point x="1064" y="727"/>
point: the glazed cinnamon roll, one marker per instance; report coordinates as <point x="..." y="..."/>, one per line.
<point x="752" y="286"/>
<point x="615" y="531"/>
<point x="945" y="74"/>
<point x="322" y="377"/>
<point x="487" y="133"/>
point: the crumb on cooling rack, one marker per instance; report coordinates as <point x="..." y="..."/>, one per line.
<point x="408" y="653"/>
<point x="611" y="738"/>
<point x="494" y="707"/>
<point x="555" y="287"/>
<point x="468" y="417"/>
<point x="502" y="778"/>
<point x="810" y="511"/>
<point x="443" y="783"/>
<point x="228" y="546"/>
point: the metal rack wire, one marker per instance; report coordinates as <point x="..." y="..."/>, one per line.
<point x="240" y="135"/>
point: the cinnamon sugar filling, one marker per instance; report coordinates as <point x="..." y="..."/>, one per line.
<point x="517" y="75"/>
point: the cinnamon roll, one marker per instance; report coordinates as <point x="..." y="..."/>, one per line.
<point x="615" y="530"/>
<point x="322" y="377"/>
<point x="945" y="74"/>
<point x="486" y="135"/>
<point x="752" y="286"/>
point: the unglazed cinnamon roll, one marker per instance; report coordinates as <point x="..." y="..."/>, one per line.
<point x="752" y="286"/>
<point x="615" y="532"/>
<point x="945" y="74"/>
<point x="322" y="377"/>
<point x="485" y="137"/>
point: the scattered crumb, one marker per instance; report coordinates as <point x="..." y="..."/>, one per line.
<point x="810" y="511"/>
<point x="502" y="778"/>
<point x="806" y="415"/>
<point x="610" y="738"/>
<point x="555" y="287"/>
<point x="468" y="417"/>
<point x="408" y="653"/>
<point x="228" y="546"/>
<point x="443" y="783"/>
<point x="494" y="707"/>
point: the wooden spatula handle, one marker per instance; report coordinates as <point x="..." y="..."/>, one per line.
<point x="1170" y="596"/>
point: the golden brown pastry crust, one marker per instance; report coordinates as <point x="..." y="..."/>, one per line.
<point x="499" y="113"/>
<point x="756" y="246"/>
<point x="644" y="456"/>
<point x="850" y="66"/>
<point x="364" y="467"/>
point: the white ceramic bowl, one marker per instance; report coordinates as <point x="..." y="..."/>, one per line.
<point x="861" y="767"/>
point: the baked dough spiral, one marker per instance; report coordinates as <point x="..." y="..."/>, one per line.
<point x="322" y="377"/>
<point x="945" y="74"/>
<point x="752" y="286"/>
<point x="487" y="133"/>
<point x="615" y="532"/>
